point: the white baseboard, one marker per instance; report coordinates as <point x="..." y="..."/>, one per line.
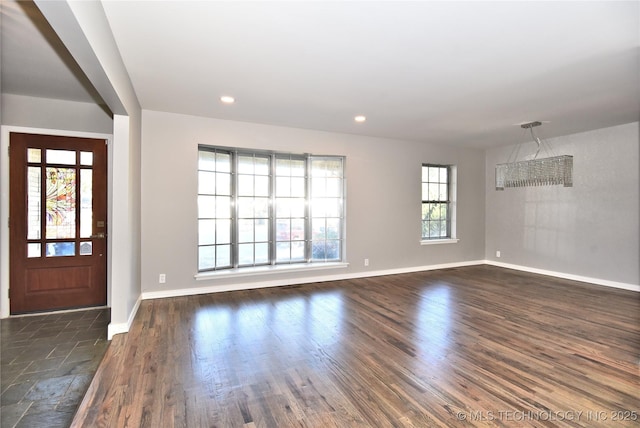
<point x="598" y="281"/>
<point x="296" y="281"/>
<point x="124" y="327"/>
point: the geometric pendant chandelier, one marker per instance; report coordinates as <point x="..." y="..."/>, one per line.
<point x="555" y="170"/>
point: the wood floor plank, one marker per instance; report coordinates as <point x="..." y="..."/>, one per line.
<point x="473" y="346"/>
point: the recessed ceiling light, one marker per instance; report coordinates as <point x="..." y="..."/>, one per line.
<point x="227" y="99"/>
<point x="360" y="118"/>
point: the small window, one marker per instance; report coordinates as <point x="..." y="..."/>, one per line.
<point x="436" y="202"/>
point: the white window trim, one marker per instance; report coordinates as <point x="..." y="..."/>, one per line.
<point x="453" y="207"/>
<point x="267" y="270"/>
<point x="439" y="241"/>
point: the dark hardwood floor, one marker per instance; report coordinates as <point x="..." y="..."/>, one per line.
<point x="472" y="346"/>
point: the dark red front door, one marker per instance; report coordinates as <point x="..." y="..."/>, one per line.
<point x="58" y="222"/>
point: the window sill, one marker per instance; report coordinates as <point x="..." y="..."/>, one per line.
<point x="439" y="241"/>
<point x="266" y="270"/>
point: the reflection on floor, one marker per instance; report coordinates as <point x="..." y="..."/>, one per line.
<point x="47" y="364"/>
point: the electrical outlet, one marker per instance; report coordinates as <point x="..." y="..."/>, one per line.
<point x="366" y="262"/>
<point x="498" y="254"/>
<point x="162" y="278"/>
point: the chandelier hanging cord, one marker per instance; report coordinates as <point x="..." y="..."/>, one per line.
<point x="515" y="152"/>
<point x="537" y="140"/>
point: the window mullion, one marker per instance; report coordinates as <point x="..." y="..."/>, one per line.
<point x="235" y="248"/>
<point x="307" y="211"/>
<point x="272" y="209"/>
<point x="448" y="203"/>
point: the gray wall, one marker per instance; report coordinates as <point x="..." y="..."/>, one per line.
<point x="383" y="196"/>
<point x="32" y="112"/>
<point x="590" y="229"/>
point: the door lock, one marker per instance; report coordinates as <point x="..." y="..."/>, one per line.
<point x="98" y="236"/>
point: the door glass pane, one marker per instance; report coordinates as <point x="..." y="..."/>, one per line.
<point x="86" y="203"/>
<point x="57" y="249"/>
<point x="33" y="202"/>
<point x="86" y="158"/>
<point x="33" y="155"/>
<point x="61" y="203"/>
<point x="86" y="248"/>
<point x="65" y="157"/>
<point x="34" y="250"/>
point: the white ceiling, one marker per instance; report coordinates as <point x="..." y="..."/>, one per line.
<point x="458" y="73"/>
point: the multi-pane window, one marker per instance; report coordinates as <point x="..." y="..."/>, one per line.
<point x="326" y="208"/>
<point x="291" y="209"/>
<point x="257" y="208"/>
<point x="436" y="201"/>
<point x="214" y="210"/>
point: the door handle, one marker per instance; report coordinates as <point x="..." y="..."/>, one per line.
<point x="98" y="236"/>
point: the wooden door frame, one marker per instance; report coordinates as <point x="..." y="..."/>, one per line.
<point x="5" y="132"/>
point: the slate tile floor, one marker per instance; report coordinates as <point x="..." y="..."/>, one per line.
<point x="47" y="363"/>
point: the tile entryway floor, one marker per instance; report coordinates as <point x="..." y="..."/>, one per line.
<point x="48" y="362"/>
